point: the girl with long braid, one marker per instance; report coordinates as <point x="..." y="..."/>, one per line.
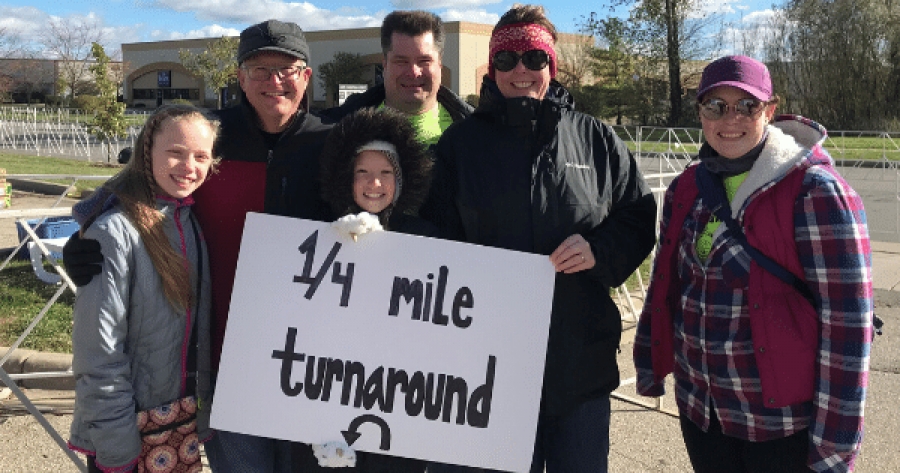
<point x="141" y="330"/>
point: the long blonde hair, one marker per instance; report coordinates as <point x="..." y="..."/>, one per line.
<point x="136" y="189"/>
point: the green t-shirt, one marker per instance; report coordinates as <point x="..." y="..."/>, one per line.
<point x="430" y="125"/>
<point x="704" y="242"/>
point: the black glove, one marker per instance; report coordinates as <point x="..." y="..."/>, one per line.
<point x="82" y="259"/>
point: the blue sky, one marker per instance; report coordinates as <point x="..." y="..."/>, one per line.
<point x="127" y="21"/>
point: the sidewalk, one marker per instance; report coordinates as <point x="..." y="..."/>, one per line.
<point x="642" y="440"/>
<point x="886" y="265"/>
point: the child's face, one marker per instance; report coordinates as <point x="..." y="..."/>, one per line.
<point x="373" y="181"/>
<point x="182" y="154"/>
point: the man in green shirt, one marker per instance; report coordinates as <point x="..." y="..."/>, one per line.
<point x="412" y="43"/>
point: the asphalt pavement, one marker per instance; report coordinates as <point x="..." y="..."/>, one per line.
<point x="642" y="439"/>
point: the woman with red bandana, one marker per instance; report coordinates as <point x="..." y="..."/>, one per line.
<point x="526" y="172"/>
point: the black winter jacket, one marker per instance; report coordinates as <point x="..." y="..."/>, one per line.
<point x="253" y="178"/>
<point x="524" y="174"/>
<point x="291" y="165"/>
<point x="455" y="106"/>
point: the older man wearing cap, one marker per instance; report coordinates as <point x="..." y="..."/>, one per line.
<point x="412" y="43"/>
<point x="765" y="321"/>
<point x="269" y="147"/>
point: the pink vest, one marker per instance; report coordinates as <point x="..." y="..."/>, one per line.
<point x="784" y="326"/>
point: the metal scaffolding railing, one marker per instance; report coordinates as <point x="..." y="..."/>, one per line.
<point x="65" y="283"/>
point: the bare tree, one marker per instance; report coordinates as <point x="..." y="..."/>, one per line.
<point x="576" y="61"/>
<point x="70" y="42"/>
<point x="7" y="51"/>
<point x="33" y="77"/>
<point x="777" y="55"/>
<point x="838" y="61"/>
<point x="6" y="86"/>
<point x="10" y="44"/>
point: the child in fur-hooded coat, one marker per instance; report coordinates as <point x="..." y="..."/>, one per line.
<point x="371" y="163"/>
<point x="378" y="130"/>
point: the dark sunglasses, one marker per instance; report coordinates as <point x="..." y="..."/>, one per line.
<point x="536" y="59"/>
<point x="715" y="109"/>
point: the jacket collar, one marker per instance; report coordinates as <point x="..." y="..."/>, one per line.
<point x="374" y="96"/>
<point x="793" y="143"/>
<point x="178" y="203"/>
<point x="520" y="110"/>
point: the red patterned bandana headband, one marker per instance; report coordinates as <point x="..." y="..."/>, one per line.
<point x="522" y="37"/>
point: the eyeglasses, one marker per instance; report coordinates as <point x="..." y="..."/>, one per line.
<point x="715" y="109"/>
<point x="261" y="73"/>
<point x="536" y="59"/>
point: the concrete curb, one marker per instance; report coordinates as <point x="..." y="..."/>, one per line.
<point x="37" y="187"/>
<point x="31" y="361"/>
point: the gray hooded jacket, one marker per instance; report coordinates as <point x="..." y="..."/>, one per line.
<point x="129" y="343"/>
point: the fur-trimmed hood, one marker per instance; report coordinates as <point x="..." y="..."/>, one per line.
<point x="339" y="155"/>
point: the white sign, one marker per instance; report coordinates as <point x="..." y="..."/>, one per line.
<point x="346" y="90"/>
<point x="396" y="344"/>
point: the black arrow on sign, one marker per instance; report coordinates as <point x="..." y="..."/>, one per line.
<point x="351" y="434"/>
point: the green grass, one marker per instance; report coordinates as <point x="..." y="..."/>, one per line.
<point x="26" y="164"/>
<point x="649" y="147"/>
<point x="863" y="147"/>
<point x="841" y="147"/>
<point x="22" y="296"/>
<point x="644" y="269"/>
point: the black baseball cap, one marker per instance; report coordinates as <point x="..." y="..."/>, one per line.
<point x="273" y="35"/>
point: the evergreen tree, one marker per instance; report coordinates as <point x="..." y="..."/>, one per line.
<point x="344" y="68"/>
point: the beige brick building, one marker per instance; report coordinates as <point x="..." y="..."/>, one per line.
<point x="154" y="74"/>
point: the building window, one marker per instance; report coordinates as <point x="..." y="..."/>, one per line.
<point x="187" y="94"/>
<point x="167" y="94"/>
<point x="144" y="94"/>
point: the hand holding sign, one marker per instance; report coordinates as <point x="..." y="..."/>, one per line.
<point x="357" y="224"/>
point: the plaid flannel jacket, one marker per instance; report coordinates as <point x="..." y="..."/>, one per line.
<point x="715" y="366"/>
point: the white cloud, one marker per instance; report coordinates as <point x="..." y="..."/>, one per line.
<point x="472" y="16"/>
<point x="23" y="27"/>
<point x="750" y="34"/>
<point x="114" y="36"/>
<point x="22" y="22"/>
<point x="760" y="17"/>
<point x="450" y="5"/>
<point x="311" y="17"/>
<point x="243" y="12"/>
<point x="211" y="31"/>
<point x="713" y="7"/>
